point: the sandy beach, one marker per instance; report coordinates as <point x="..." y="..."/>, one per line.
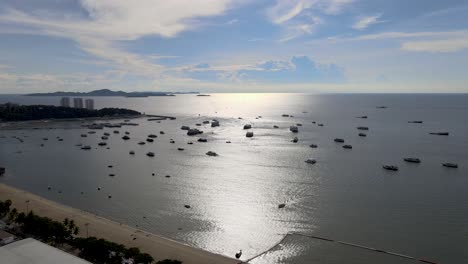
<point x="158" y="247"/>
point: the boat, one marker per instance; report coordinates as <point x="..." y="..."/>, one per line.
<point x="2" y="171"/>
<point x="390" y="167"/>
<point x="206" y="122"/>
<point x="104" y="138"/>
<point x="102" y="143"/>
<point x="106" y="134"/>
<point x="180" y="149"/>
<point x="212" y="153"/>
<point x="363" y="117"/>
<point x="382" y="107"/>
<point x="362" y="135"/>
<point x="415" y="122"/>
<point x="275" y="126"/>
<point x="125" y="137"/>
<point x="193" y="132"/>
<point x="214" y="123"/>
<point x="152" y="136"/>
<point x="295" y="140"/>
<point x="187" y="206"/>
<point x="311" y="161"/>
<point x="172" y="141"/>
<point x="285" y="115"/>
<point x="82" y="135"/>
<point x="362" y="128"/>
<point x="249" y="134"/>
<point x="281" y="205"/>
<point x="116" y="132"/>
<point x="412" y="160"/>
<point x="239" y="254"/>
<point x="161" y="132"/>
<point x="184" y="127"/>
<point x="320" y="125"/>
<point x="298" y="124"/>
<point x="247" y="126"/>
<point x="86" y="147"/>
<point x="347" y="147"/>
<point x="127" y="133"/>
<point x="293" y="129"/>
<point x="132" y="152"/>
<point x="190" y="143"/>
<point x="339" y="140"/>
<point x="439" y="133"/>
<point x="141" y="143"/>
<point x="313" y="146"/>
<point x="228" y="141"/>
<point x="150" y="154"/>
<point x="202" y="140"/>
<point x="450" y="165"/>
<point x="149" y="140"/>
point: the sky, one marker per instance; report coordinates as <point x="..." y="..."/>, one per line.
<point x="307" y="46"/>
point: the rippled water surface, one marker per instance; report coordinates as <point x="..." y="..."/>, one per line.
<point x="421" y="210"/>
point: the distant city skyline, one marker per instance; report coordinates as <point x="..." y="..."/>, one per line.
<point x="307" y="46"/>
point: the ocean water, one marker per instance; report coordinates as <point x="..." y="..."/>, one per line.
<point x="420" y="211"/>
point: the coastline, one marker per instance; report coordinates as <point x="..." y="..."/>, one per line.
<point x="158" y="247"/>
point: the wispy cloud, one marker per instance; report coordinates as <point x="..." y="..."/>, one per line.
<point x="444" y="45"/>
<point x="110" y="21"/>
<point x="364" y="22"/>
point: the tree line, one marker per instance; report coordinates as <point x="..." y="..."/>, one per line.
<point x="95" y="250"/>
<point x="11" y="112"/>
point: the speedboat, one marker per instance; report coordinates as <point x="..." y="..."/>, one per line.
<point x="450" y="165"/>
<point x="412" y="160"/>
<point x="390" y="167"/>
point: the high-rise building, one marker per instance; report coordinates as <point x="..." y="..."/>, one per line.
<point x="78" y="102"/>
<point x="89" y="104"/>
<point x="65" y="102"/>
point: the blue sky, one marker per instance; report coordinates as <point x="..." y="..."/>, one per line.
<point x="324" y="46"/>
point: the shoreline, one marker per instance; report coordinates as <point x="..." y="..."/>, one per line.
<point x="157" y="246"/>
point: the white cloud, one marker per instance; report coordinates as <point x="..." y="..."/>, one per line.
<point x="285" y="10"/>
<point x="109" y="21"/>
<point x="232" y="21"/>
<point x="364" y="22"/>
<point x="443" y="45"/>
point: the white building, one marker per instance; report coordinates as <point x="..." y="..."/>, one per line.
<point x="65" y="102"/>
<point x="89" y="103"/>
<point x="78" y="102"/>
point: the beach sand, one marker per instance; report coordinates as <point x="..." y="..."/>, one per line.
<point x="158" y="247"/>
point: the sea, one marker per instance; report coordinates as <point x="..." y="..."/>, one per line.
<point x="364" y="212"/>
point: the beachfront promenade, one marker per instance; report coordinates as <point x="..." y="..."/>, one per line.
<point x="158" y="247"/>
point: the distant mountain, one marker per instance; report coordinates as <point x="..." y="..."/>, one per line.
<point x="107" y="92"/>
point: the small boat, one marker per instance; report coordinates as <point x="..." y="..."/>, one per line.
<point x="82" y="135"/>
<point x="180" y="149"/>
<point x="106" y="134"/>
<point x="339" y="140"/>
<point x="390" y="167"/>
<point x="187" y="206"/>
<point x="149" y="140"/>
<point x="412" y="160"/>
<point x="212" y="153"/>
<point x="161" y="132"/>
<point x="141" y="143"/>
<point x="127" y="133"/>
<point x="247" y="126"/>
<point x="415" y="122"/>
<point x="152" y="136"/>
<point x="293" y="129"/>
<point x="285" y="115"/>
<point x="249" y="134"/>
<point x="150" y="154"/>
<point x="172" y="141"/>
<point x="281" y="205"/>
<point x="439" y="133"/>
<point x="86" y="147"/>
<point x="347" y="147"/>
<point x="320" y="125"/>
<point x="275" y="126"/>
<point x="362" y="135"/>
<point x="362" y="128"/>
<point x="190" y="143"/>
<point x="116" y="132"/>
<point x="102" y="143"/>
<point x="206" y="122"/>
<point x="215" y="123"/>
<point x="104" y="138"/>
<point x="109" y="196"/>
<point x="295" y="140"/>
<point x="450" y="165"/>
<point x="311" y="161"/>
<point x="239" y="254"/>
<point x="313" y="146"/>
<point x="202" y="140"/>
<point x="185" y="128"/>
<point x="228" y="141"/>
<point x="298" y="124"/>
<point x="193" y="132"/>
<point x="125" y="137"/>
<point x="132" y="152"/>
<point x="111" y="175"/>
<point x="382" y="107"/>
<point x="364" y="117"/>
<point x="91" y="132"/>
